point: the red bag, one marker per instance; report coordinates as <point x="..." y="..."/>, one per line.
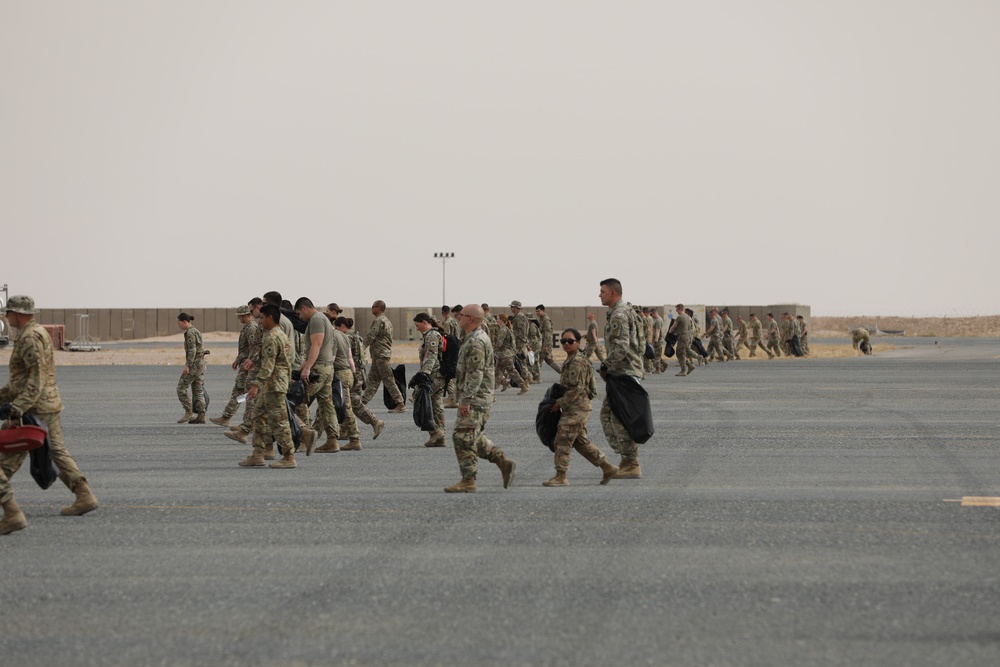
<point x="22" y="438"/>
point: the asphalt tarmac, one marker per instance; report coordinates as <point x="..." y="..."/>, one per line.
<point x="796" y="512"/>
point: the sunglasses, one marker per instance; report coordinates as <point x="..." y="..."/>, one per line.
<point x="568" y="341"/>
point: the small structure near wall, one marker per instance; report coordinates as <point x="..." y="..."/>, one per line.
<point x="83" y="341"/>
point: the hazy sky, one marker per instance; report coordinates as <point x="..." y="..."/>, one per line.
<point x="843" y="154"/>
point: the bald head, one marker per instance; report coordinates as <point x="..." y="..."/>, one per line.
<point x="473" y="317"/>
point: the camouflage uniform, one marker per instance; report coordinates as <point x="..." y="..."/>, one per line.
<point x="755" y="334"/>
<point x="577" y="378"/>
<point x="358" y="406"/>
<point x="715" y="352"/>
<point x="684" y="328"/>
<point x="31" y="388"/>
<point x="492" y="327"/>
<point x="248" y="331"/>
<point x="519" y="325"/>
<point x="545" y="325"/>
<point x="535" y="342"/>
<point x="505" y="358"/>
<point x="692" y="352"/>
<point x="773" y="346"/>
<point x="342" y="368"/>
<point x="659" y="363"/>
<point x="452" y="327"/>
<point x="256" y="343"/>
<point x="787" y="331"/>
<point x="593" y="345"/>
<point x="727" y="338"/>
<point x="742" y="333"/>
<point x="379" y="341"/>
<point x="271" y="412"/>
<point x="194" y="359"/>
<point x="430" y="363"/>
<point x="320" y="390"/>
<point x="475" y="379"/>
<point x="647" y="331"/>
<point x="621" y="335"/>
<point x="803" y="336"/>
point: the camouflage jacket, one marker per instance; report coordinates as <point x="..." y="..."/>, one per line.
<point x="247" y="333"/>
<point x="577" y="378"/>
<point x="772" y="329"/>
<point x="621" y="338"/>
<point x="451" y="326"/>
<point x="742" y="330"/>
<point x="492" y="326"/>
<point x="256" y="343"/>
<point x="379" y="338"/>
<point x="504" y="344"/>
<point x="545" y="324"/>
<point x="787" y="330"/>
<point x="715" y="326"/>
<point x="430" y="352"/>
<point x="31" y="385"/>
<point x="275" y="362"/>
<point x="727" y="326"/>
<point x="755" y="329"/>
<point x="519" y="324"/>
<point x="592" y="332"/>
<point x="534" y="336"/>
<point x="194" y="349"/>
<point x="358" y="352"/>
<point x="474" y="376"/>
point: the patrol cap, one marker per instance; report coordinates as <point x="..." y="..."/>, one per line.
<point x="515" y="304"/>
<point x="243" y="310"/>
<point x="22" y="304"/>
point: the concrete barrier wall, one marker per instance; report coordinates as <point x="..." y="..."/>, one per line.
<point x="108" y="324"/>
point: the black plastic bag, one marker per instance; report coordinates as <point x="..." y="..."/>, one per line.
<point x="423" y="404"/>
<point x="669" y="347"/>
<point x="546" y="421"/>
<point x="296" y="393"/>
<point x="339" y="401"/>
<point x="399" y="373"/>
<point x="519" y="367"/>
<point x="629" y="402"/>
<point x="699" y="347"/>
<point x="649" y="353"/>
<point x="43" y="470"/>
<point x="293" y="424"/>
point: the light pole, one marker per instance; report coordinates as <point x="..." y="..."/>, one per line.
<point x="444" y="257"/>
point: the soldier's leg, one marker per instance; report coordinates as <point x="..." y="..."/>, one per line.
<point x="277" y="424"/>
<point x="182" y="392"/>
<point x="326" y="415"/>
<point x="198" y="389"/>
<point x="566" y="436"/>
<point x="618" y="437"/>
<point x="349" y="426"/>
<point x="239" y="388"/>
<point x="467" y="429"/>
<point x="437" y="405"/>
<point x="69" y="472"/>
<point x="550" y="360"/>
<point x="374" y="380"/>
<point x="11" y="462"/>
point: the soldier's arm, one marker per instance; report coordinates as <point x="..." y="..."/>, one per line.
<point x="32" y="390"/>
<point x="616" y="340"/>
<point x="433" y="350"/>
<point x="574" y="382"/>
<point x="268" y="356"/>
<point x="475" y="362"/>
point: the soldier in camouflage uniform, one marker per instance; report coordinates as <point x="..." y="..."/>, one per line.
<point x="741" y="333"/>
<point x="241" y="432"/>
<point x="519" y="325"/>
<point x="693" y="352"/>
<point x="430" y="364"/>
<point x="534" y="346"/>
<point x="474" y="379"/>
<point x="343" y="368"/>
<point x="755" y="337"/>
<point x="714" y="333"/>
<point x="660" y="362"/>
<point x="504" y="349"/>
<point x="683" y="326"/>
<point x="271" y="383"/>
<point x="621" y="335"/>
<point x="593" y="345"/>
<point x="773" y="337"/>
<point x="242" y="354"/>
<point x="728" y="347"/>
<point x="647" y="334"/>
<point x="490" y="322"/>
<point x="193" y="375"/>
<point x="379" y="341"/>
<point x="803" y="334"/>
<point x="31" y="390"/>
<point x="577" y="378"/>
<point x="545" y="325"/>
<point x="357" y="347"/>
<point x="319" y="357"/>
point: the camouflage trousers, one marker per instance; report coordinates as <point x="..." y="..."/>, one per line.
<point x="659" y="363"/>
<point x="505" y="370"/>
<point x="358" y="408"/>
<point x="195" y="380"/>
<point x="239" y="387"/>
<point x="682" y="349"/>
<point x="592" y="349"/>
<point x="381" y="373"/>
<point x="437" y="400"/>
<point x="616" y="433"/>
<point x="756" y="343"/>
<point x="248" y="408"/>
<point x="572" y="434"/>
<point x="535" y="368"/>
<point x="326" y="416"/>
<point x="270" y="420"/>
<point x="715" y="348"/>
<point x="11" y="462"/>
<point x="471" y="443"/>
<point x="804" y="344"/>
<point x="349" y="426"/>
<point x="728" y="346"/>
<point x="546" y="356"/>
<point x="773" y="347"/>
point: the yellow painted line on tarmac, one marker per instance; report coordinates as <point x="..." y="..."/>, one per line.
<point x="976" y="501"/>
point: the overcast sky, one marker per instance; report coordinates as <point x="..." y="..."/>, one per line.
<point x="844" y="155"/>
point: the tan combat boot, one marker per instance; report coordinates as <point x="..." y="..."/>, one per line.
<point x="352" y="446"/>
<point x="464" y="486"/>
<point x="85" y="500"/>
<point x="628" y="470"/>
<point x="330" y="447"/>
<point x="450" y="402"/>
<point x="220" y="421"/>
<point x="400" y="407"/>
<point x="524" y="389"/>
<point x="558" y="480"/>
<point x="13" y="518"/>
<point x="199" y="419"/>
<point x="269" y="454"/>
<point x="238" y="435"/>
<point x="377" y="427"/>
<point x="255" y="460"/>
<point x="506" y="470"/>
<point x="186" y="419"/>
<point x="436" y="440"/>
<point x="610" y="470"/>
<point x="287" y="460"/>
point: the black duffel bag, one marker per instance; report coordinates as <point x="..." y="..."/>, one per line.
<point x="399" y="373"/>
<point x="629" y="402"/>
<point x="546" y="421"/>
<point x="423" y="404"/>
<point x="339" y="399"/>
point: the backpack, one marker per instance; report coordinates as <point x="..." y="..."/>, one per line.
<point x="450" y="345"/>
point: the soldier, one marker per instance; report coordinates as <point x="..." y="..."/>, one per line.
<point x="31" y="390"/>
<point x="491" y="323"/>
<point x="727" y="335"/>
<point x="692" y="351"/>
<point x="332" y="312"/>
<point x="534" y="347"/>
<point x="242" y="431"/>
<point x="861" y="340"/>
<point x="451" y="327"/>
<point x="803" y="334"/>
<point x="242" y="354"/>
<point x="430" y="363"/>
<point x="647" y="329"/>
<point x="193" y="375"/>
<point x="319" y="358"/>
<point x="714" y="333"/>
<point x="593" y="345"/>
<point x="474" y="379"/>
<point x="755" y="335"/>
<point x="773" y="348"/>
<point x="621" y="336"/>
<point x="790" y="335"/>
<point x="504" y="349"/>
<point x="660" y="362"/>
<point x="271" y="382"/>
<point x="683" y="326"/>
<point x="545" y="325"/>
<point x="741" y="332"/>
<point x="358" y="408"/>
<point x="344" y="368"/>
<point x="379" y="341"/>
<point x="519" y="325"/>
<point x="577" y="378"/>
